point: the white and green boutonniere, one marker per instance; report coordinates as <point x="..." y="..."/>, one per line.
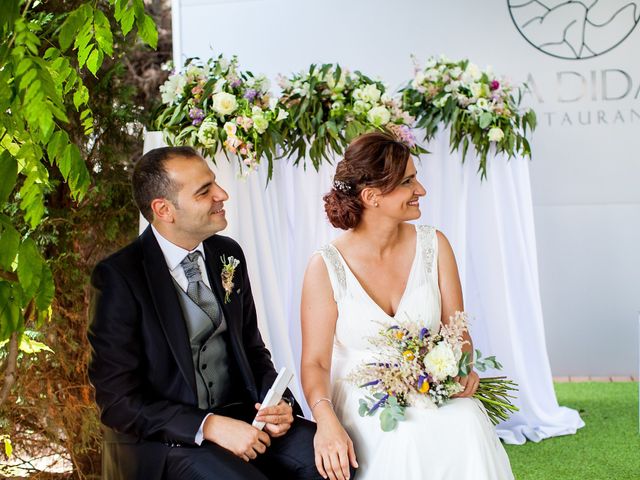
<point x="228" y="271"/>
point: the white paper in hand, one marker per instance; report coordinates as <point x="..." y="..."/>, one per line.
<point x="274" y="395"/>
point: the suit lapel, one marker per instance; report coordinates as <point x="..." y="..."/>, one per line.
<point x="167" y="307"/>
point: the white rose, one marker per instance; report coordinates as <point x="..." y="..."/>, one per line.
<point x="418" y="79"/>
<point x="496" y="134"/>
<point x="440" y="362"/>
<point x="260" y="123"/>
<point x="224" y="103"/>
<point x="360" y="107"/>
<point x="206" y="133"/>
<point x="371" y="94"/>
<point x="230" y="129"/>
<point x="379" y="116"/>
<point x="476" y="89"/>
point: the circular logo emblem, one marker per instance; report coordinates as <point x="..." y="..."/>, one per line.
<point x="575" y="30"/>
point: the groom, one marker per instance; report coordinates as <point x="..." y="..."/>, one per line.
<point x="178" y="363"/>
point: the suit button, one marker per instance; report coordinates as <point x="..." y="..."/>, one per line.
<point x="210" y="384"/>
<point x="204" y="366"/>
<point x="204" y="348"/>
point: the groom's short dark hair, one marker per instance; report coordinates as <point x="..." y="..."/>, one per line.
<point x="150" y="180"/>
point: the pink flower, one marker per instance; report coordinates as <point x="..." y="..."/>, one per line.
<point x="494" y="85"/>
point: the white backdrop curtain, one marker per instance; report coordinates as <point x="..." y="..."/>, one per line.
<point x="489" y="224"/>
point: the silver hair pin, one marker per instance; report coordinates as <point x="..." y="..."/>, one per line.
<point x="344" y="187"/>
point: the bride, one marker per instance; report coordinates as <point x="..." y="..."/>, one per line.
<point x="382" y="270"/>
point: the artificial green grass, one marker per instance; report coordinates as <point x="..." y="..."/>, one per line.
<point x="607" y="447"/>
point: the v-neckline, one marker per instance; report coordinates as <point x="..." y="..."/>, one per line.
<point x="406" y="286"/>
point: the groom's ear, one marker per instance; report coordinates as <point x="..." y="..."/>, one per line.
<point x="162" y="210"/>
<point x="369" y="196"/>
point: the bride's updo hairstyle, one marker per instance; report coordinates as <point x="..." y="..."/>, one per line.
<point x="375" y="160"/>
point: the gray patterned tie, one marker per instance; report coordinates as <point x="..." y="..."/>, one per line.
<point x="198" y="291"/>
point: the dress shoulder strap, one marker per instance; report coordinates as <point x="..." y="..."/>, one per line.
<point x="335" y="267"/>
<point x="428" y="244"/>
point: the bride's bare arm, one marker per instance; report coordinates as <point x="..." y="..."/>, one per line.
<point x="333" y="447"/>
<point x="451" y="295"/>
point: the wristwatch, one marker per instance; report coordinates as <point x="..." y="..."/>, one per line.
<point x="290" y="399"/>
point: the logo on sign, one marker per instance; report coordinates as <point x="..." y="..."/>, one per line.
<point x="575" y="30"/>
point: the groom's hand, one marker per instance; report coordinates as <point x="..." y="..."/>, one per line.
<point x="278" y="419"/>
<point x="239" y="437"/>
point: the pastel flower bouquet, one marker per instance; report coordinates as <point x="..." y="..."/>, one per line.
<point x="329" y="106"/>
<point x="214" y="106"/>
<point x="480" y="108"/>
<point x="418" y="368"/>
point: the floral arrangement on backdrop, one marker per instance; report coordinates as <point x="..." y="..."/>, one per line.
<point x="214" y="106"/>
<point x="479" y="107"/>
<point x="329" y="106"/>
<point x="415" y="367"/>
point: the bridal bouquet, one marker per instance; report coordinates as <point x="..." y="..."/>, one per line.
<point x="329" y="106"/>
<point x="479" y="107"/>
<point x="416" y="367"/>
<point x="214" y="106"/>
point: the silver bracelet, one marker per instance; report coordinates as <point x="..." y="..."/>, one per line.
<point x="323" y="399"/>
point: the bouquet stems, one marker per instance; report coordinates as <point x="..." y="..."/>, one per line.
<point x="494" y="393"/>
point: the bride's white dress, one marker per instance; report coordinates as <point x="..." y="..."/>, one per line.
<point x="454" y="442"/>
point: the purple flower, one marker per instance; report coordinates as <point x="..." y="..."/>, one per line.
<point x="494" y="85"/>
<point x="196" y="115"/>
<point x="235" y="82"/>
<point x="424" y="332"/>
<point x="378" y="404"/>
<point x="250" y="94"/>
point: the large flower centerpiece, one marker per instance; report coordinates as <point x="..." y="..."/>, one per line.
<point x="480" y="108"/>
<point x="329" y="106"/>
<point x="214" y="106"/>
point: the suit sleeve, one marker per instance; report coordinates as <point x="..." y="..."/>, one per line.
<point x="117" y="367"/>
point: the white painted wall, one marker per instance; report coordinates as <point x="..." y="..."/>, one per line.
<point x="585" y="178"/>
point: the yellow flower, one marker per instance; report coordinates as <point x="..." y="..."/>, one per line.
<point x="424" y="388"/>
<point x="408" y="354"/>
<point x="399" y="334"/>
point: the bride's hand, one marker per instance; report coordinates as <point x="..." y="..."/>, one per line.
<point x="470" y="384"/>
<point x="333" y="450"/>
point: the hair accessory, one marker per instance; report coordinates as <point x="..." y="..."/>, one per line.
<point x="344" y="187"/>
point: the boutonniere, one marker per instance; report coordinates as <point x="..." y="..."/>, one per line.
<point x="228" y="271"/>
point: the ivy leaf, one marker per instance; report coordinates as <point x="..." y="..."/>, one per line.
<point x="70" y="28"/>
<point x="10" y="318"/>
<point x="83" y="54"/>
<point x="103" y="34"/>
<point x="30" y="346"/>
<point x="81" y="95"/>
<point x="9" y="243"/>
<point x="29" y="267"/>
<point x="148" y="31"/>
<point x="8" y="174"/>
<point x="94" y="61"/>
<point x="8" y="448"/>
<point x="126" y="22"/>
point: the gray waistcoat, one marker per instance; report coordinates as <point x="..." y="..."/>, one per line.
<point x="209" y="353"/>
